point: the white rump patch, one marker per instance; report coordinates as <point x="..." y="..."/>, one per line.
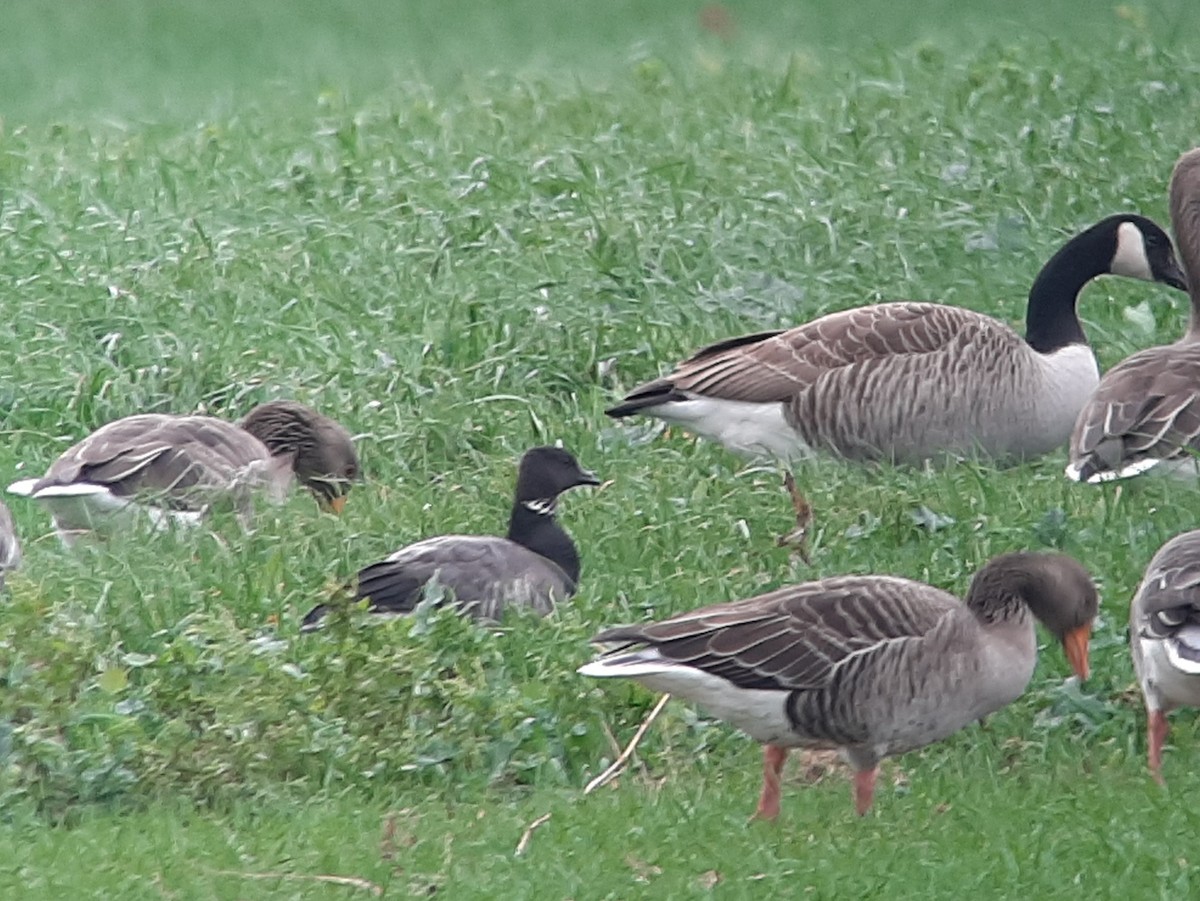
<point x="23" y="488"/>
<point x="1186" y="467"/>
<point x="760" y="713"/>
<point x="754" y="429"/>
<point x="1111" y="475"/>
<point x="1130" y="259"/>
<point x="78" y="489"/>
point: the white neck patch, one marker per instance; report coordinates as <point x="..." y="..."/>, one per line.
<point x="543" y="506"/>
<point x="1130" y="259"/>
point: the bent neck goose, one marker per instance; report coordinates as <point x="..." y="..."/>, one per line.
<point x="872" y="665"/>
<point x="321" y="450"/>
<point x="1164" y="637"/>
<point x="1145" y="413"/>
<point x="534" y="566"/>
<point x="10" y="547"/>
<point x="911" y="381"/>
<point x="174" y="467"/>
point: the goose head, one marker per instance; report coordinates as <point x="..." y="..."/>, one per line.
<point x="1139" y="248"/>
<point x="1056" y="588"/>
<point x="546" y="472"/>
<point x="321" y="450"/>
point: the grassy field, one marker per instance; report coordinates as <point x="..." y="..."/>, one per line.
<point x="464" y="231"/>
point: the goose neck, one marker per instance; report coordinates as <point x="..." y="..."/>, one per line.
<point x="996" y="604"/>
<point x="1051" y="321"/>
<point x="533" y="525"/>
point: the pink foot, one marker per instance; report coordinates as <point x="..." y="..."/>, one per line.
<point x="774" y="758"/>
<point x="1158" y="735"/>
<point x="864" y="789"/>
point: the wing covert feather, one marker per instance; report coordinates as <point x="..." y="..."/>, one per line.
<point x="780" y="364"/>
<point x="797" y="637"/>
<point x="158" y="453"/>
<point x="1146" y="409"/>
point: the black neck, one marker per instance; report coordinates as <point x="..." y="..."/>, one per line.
<point x="1051" y="322"/>
<point x="541" y="533"/>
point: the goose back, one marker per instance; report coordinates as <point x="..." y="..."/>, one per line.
<point x="480" y="574"/>
<point x="176" y="465"/>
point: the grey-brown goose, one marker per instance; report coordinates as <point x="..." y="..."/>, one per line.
<point x="10" y="547"/>
<point x="911" y="381"/>
<point x="174" y="467"/>
<point x="1164" y="637"/>
<point x="872" y="665"/>
<point x="534" y="566"/>
<point x="1145" y="413"/>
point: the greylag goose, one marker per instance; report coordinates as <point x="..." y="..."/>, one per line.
<point x="10" y="547"/>
<point x="872" y="665"/>
<point x="911" y="381"/>
<point x="1164" y="637"/>
<point x="1146" y="411"/>
<point x="174" y="467"/>
<point x="534" y="566"/>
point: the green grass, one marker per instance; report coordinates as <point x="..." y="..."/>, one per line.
<point x="463" y="233"/>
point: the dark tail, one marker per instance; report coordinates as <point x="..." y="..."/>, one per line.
<point x="388" y="587"/>
<point x="643" y="399"/>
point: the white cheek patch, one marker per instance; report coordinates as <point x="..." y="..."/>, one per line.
<point x="1130" y="259"/>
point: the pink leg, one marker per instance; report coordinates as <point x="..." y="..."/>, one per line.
<point x="864" y="789"/>
<point x="774" y="758"/>
<point x="1158" y="734"/>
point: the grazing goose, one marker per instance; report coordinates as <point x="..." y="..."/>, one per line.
<point x="1146" y="411"/>
<point x="174" y="467"/>
<point x="1164" y="637"/>
<point x="10" y="548"/>
<point x="534" y="566"/>
<point x="910" y="381"/>
<point x="872" y="665"/>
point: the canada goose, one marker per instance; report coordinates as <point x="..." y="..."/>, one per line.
<point x="872" y="665"/>
<point x="910" y="381"/>
<point x="174" y="467"/>
<point x="534" y="566"/>
<point x="10" y="547"/>
<point x="1164" y="637"/>
<point x="1145" y="413"/>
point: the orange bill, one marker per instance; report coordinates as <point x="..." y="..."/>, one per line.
<point x="1075" y="643"/>
<point x="337" y="504"/>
